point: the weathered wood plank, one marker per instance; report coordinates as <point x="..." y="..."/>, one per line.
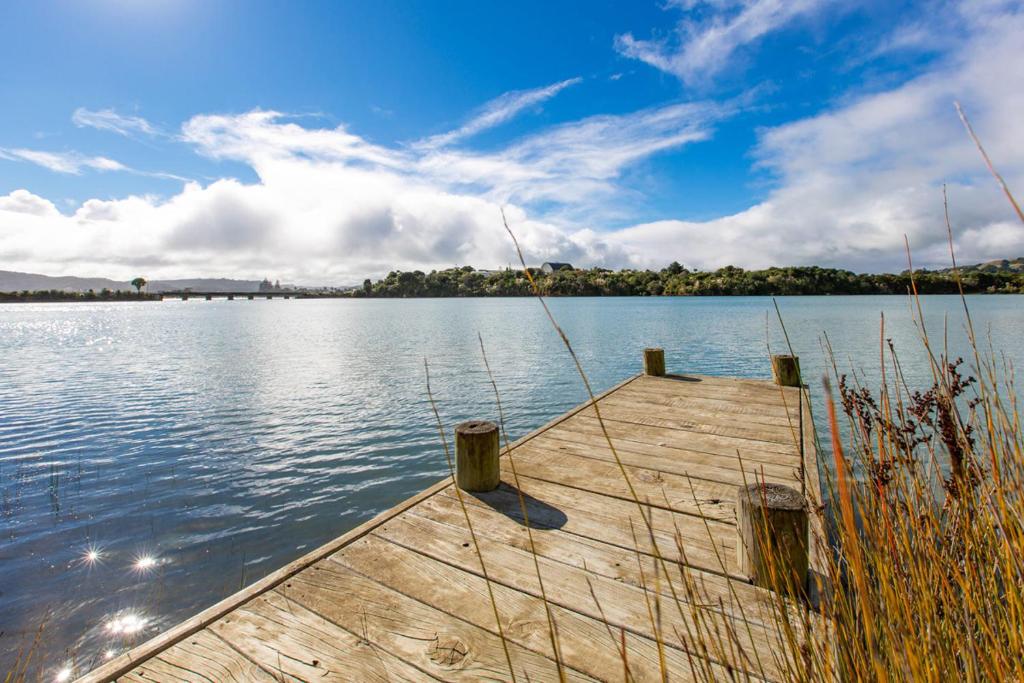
<point x="432" y="640"/>
<point x="671" y="491"/>
<point x="585" y="644"/>
<point x="200" y="657"/>
<point x="642" y="393"/>
<point x="729" y="446"/>
<point x="287" y="639"/>
<point x="711" y="385"/>
<point x="734" y="597"/>
<point x="762" y="434"/>
<point x="700" y="411"/>
<point x="618" y="604"/>
<point x="709" y="544"/>
<point x="694" y="464"/>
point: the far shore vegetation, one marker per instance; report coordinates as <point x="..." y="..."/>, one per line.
<point x="1005" y="277"/>
<point x="60" y="295"/>
<point x="676" y="280"/>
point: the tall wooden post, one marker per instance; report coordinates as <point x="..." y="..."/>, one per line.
<point x="772" y="528"/>
<point x="786" y="370"/>
<point x="654" y="362"/>
<point x="476" y="456"/>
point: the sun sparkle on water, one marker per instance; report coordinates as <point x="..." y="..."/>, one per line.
<point x="145" y="562"/>
<point x="126" y="624"/>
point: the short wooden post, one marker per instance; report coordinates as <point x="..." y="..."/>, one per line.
<point x="786" y="370"/>
<point x="654" y="362"/>
<point x="772" y="529"/>
<point x="476" y="456"/>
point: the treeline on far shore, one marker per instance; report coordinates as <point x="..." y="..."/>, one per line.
<point x="60" y="295"/>
<point x="675" y="280"/>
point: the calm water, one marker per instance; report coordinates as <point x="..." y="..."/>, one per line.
<point x="195" y="446"/>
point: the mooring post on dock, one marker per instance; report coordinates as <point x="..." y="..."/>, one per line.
<point x="772" y="526"/>
<point x="786" y="370"/>
<point x="476" y="456"/>
<point x="654" y="362"/>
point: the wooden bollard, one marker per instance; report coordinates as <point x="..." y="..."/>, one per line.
<point x="476" y="456"/>
<point x="786" y="370"/>
<point x="772" y="544"/>
<point x="654" y="362"/>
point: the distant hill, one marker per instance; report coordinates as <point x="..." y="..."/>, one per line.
<point x="1003" y="266"/>
<point x="11" y="281"/>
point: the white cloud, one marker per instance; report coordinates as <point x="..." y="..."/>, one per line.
<point x="851" y="182"/>
<point x="329" y="206"/>
<point x="23" y="201"/>
<point x="62" y="162"/>
<point x="110" y="120"/>
<point x="73" y="163"/>
<point x="500" y="110"/>
<point x="701" y="48"/>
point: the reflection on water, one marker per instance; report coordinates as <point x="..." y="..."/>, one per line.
<point x="155" y="457"/>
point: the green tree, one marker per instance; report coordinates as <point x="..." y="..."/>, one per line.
<point x="138" y="283"/>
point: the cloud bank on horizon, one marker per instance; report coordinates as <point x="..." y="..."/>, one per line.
<point x="328" y="206"/>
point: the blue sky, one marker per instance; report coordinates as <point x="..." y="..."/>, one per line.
<point x="323" y="142"/>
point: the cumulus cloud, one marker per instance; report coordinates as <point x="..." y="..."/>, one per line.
<point x="109" y="120"/>
<point x="701" y="48"/>
<point x="329" y="206"/>
<point x="854" y="180"/>
<point x="500" y="110"/>
<point x="23" y="201"/>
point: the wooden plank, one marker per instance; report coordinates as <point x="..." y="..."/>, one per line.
<point x="748" y="449"/>
<point x="747" y="392"/>
<point x="430" y="639"/>
<point x="201" y="657"/>
<point x="671" y="491"/>
<point x="731" y="596"/>
<point x="709" y="545"/>
<point x="289" y="640"/>
<point x="617" y="604"/>
<point x="722" y="406"/>
<point x="695" y="464"/>
<point x="709" y="414"/>
<point x="585" y="644"/>
<point x="733" y="429"/>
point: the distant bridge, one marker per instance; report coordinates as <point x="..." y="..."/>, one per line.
<point x="209" y="296"/>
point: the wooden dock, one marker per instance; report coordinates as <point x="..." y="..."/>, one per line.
<point x="404" y="596"/>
